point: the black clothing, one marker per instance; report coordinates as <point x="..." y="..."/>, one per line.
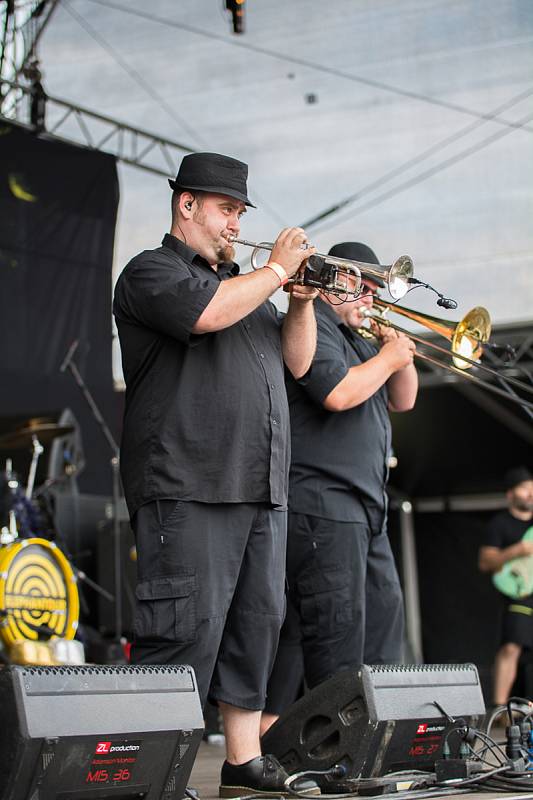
<point x="344" y="582"/>
<point x="517" y="623"/>
<point x="286" y="682"/>
<point x="339" y="459"/>
<point x="204" y="459"/>
<point x="212" y="172"/>
<point x="503" y="531"/>
<point x="206" y="415"/>
<point x="210" y="593"/>
<point x="265" y="776"/>
<point x="341" y="573"/>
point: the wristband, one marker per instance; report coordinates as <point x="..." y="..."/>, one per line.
<point x="279" y="271"/>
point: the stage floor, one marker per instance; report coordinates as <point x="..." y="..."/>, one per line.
<point x="206" y="773"/>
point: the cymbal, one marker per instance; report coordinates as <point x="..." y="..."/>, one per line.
<point x="40" y="427"/>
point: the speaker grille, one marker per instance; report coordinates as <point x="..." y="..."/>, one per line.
<point x="97" y="669"/>
<point x="421" y="668"/>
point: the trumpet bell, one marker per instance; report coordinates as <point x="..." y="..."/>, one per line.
<point x="469" y="336"/>
<point x="398" y="276"/>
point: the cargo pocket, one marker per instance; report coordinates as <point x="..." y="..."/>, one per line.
<point x="166" y="609"/>
<point x="325" y="600"/>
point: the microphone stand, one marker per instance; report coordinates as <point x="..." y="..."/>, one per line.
<point x="69" y="363"/>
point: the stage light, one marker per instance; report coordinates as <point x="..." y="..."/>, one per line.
<point x="237" y="9"/>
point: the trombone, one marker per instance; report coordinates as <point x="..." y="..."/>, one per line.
<point x="396" y="276"/>
<point x="467" y="338"/>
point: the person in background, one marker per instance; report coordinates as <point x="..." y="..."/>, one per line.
<point x="504" y="542"/>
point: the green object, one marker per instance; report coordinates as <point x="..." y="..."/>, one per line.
<point x="515" y="578"/>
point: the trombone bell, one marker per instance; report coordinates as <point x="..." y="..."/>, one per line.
<point x="467" y="336"/>
<point x="470" y="335"/>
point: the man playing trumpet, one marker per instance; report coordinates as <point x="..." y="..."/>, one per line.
<point x="204" y="456"/>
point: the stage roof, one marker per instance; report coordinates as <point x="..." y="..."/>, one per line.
<point x="418" y="112"/>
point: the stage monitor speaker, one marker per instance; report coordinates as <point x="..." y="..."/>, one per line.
<point x="98" y="733"/>
<point x="376" y="720"/>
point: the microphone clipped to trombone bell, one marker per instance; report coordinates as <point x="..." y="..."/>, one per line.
<point x="342" y="276"/>
<point x="468" y="337"/>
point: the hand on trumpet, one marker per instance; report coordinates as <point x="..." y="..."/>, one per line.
<point x="301" y="293"/>
<point x="288" y="250"/>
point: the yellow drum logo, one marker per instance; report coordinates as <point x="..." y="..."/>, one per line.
<point x="38" y="593"/>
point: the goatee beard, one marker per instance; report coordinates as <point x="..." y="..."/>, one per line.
<point x="523" y="505"/>
<point x="225" y="253"/>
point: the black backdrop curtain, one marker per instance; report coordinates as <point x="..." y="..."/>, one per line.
<point x="58" y="206"/>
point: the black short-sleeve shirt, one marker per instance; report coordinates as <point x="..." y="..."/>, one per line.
<point x="504" y="530"/>
<point x="206" y="416"/>
<point x="339" y="459"/>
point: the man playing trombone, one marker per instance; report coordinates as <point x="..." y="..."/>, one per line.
<point x="340" y="569"/>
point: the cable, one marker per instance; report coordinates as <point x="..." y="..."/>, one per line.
<point x="444" y="302"/>
<point x="428" y="173"/>
<point x="301" y="62"/>
<point x="479" y="757"/>
<point x="507" y="355"/>
<point x="477" y="779"/>
<point x="505" y="384"/>
<point x="413" y="162"/>
<point x="133" y="73"/>
<point x="137" y="77"/>
<point x="522" y="700"/>
<point x="504" y="783"/>
<point x="491" y="745"/>
<point x="498" y="711"/>
<point x="481" y="118"/>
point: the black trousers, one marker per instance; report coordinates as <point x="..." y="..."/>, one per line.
<point x="517" y="622"/>
<point x="210" y="593"/>
<point x="345" y="588"/>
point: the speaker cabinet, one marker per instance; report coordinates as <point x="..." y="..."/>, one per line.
<point x="98" y="733"/>
<point x="376" y="720"/>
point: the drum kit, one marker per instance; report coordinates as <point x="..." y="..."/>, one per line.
<point x="39" y="601"/>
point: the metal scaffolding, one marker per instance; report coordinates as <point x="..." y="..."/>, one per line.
<point x="512" y="358"/>
<point x="74" y="124"/>
<point x="24" y="101"/>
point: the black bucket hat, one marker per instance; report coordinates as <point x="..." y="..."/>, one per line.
<point x="212" y="172"/>
<point x="357" y="252"/>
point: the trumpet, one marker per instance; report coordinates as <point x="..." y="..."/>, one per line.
<point x="467" y="338"/>
<point x="331" y="273"/>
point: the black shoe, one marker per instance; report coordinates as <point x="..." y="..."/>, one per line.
<point x="262" y="775"/>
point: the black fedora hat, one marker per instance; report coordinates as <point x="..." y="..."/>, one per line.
<point x="212" y="172"/>
<point x="515" y="476"/>
<point x="357" y="252"/>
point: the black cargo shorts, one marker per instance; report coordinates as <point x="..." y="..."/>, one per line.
<point x="210" y="593"/>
